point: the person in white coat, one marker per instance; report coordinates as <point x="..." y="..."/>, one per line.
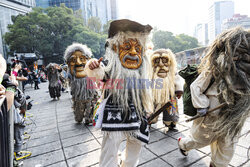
<point x="228" y="62"/>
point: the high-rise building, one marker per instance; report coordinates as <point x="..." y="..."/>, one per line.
<point x="42" y="3"/>
<point x="9" y="8"/>
<point x="201" y="33"/>
<point x="73" y="4"/>
<point x="236" y="20"/>
<point x="218" y="12"/>
<point x="104" y="9"/>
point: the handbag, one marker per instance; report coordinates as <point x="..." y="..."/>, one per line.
<point x="99" y="112"/>
<point x="18" y="119"/>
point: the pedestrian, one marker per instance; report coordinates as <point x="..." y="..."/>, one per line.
<point x="227" y="61"/>
<point x="36" y="80"/>
<point x="124" y="114"/>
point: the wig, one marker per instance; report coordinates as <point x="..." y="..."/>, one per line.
<point x="163" y="95"/>
<point x="77" y="47"/>
<point x="228" y="60"/>
<point x="141" y="98"/>
<point x="53" y="75"/>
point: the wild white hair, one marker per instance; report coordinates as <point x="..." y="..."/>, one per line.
<point x="77" y="47"/>
<point x="162" y="96"/>
<point x="141" y="98"/>
<point x="79" y="89"/>
<point x="53" y="75"/>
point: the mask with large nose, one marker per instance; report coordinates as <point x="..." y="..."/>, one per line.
<point x="130" y="54"/>
<point x="161" y="66"/>
<point x="77" y="63"/>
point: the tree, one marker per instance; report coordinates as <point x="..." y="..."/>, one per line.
<point x="94" y="24"/>
<point x="79" y="16"/>
<point x="165" y="39"/>
<point x="105" y="27"/>
<point x="49" y="31"/>
<point x="187" y="41"/>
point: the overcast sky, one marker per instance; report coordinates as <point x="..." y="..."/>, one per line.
<point x="177" y="16"/>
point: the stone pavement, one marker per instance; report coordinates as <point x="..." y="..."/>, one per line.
<point x="57" y="141"/>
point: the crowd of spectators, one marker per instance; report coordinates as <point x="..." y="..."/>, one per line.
<point x="11" y="86"/>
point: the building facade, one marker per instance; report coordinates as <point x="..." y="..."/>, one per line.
<point x="218" y="12"/>
<point x="201" y="33"/>
<point x="9" y="8"/>
<point x="73" y="4"/>
<point x="42" y="3"/>
<point x="104" y="9"/>
<point x="236" y="20"/>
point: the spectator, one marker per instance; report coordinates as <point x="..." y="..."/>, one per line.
<point x="36" y="79"/>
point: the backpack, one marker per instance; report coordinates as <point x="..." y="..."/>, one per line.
<point x="190" y="73"/>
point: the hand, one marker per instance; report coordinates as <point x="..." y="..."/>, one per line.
<point x="202" y="111"/>
<point x="18" y="67"/>
<point x="2" y="90"/>
<point x="178" y="96"/>
<point x="57" y="67"/>
<point x="95" y="64"/>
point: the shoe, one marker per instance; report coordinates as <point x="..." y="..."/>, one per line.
<point x="17" y="163"/>
<point x="183" y="152"/>
<point x="87" y="122"/>
<point x="172" y="127"/>
<point x="21" y="155"/>
<point x="211" y="165"/>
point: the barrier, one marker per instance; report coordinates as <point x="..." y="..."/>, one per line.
<point x="6" y="134"/>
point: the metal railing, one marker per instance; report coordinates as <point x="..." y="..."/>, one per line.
<point x="190" y="56"/>
<point x="10" y="131"/>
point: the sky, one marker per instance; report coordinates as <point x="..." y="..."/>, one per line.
<point x="177" y="16"/>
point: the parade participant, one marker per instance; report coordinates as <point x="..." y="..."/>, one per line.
<point x="54" y="82"/>
<point x="64" y="75"/>
<point x="164" y="67"/>
<point x="126" y="105"/>
<point x="76" y="56"/>
<point x="228" y="62"/>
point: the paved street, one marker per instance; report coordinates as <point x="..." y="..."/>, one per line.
<point x="57" y="141"/>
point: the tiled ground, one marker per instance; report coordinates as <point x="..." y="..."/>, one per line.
<point x="57" y="141"/>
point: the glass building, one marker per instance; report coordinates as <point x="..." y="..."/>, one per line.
<point x="42" y="3"/>
<point x="218" y="11"/>
<point x="104" y="9"/>
<point x="9" y="8"/>
<point x="73" y="4"/>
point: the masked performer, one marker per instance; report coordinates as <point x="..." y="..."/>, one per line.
<point x="76" y="56"/>
<point x="53" y="71"/>
<point x="228" y="62"/>
<point x="65" y="78"/>
<point x="126" y="106"/>
<point x="165" y="69"/>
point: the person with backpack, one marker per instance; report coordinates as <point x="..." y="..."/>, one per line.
<point x="227" y="61"/>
